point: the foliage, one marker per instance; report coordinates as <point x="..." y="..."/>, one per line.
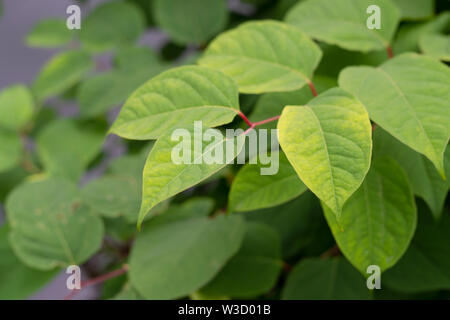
<point x="363" y="119"/>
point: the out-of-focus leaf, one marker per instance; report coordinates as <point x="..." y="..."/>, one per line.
<point x="172" y="260"/>
<point x="49" y="228"/>
<point x="16" y="107"/>
<point x="436" y="46"/>
<point x="49" y="33"/>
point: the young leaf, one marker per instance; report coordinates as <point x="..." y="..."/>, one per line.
<point x="436" y="46"/>
<point x="176" y="17"/>
<point x="328" y="142"/>
<point x="49" y="33"/>
<point x="379" y="220"/>
<point x="176" y="98"/>
<point x="171" y="260"/>
<point x="10" y="150"/>
<point x="426" y="264"/>
<point x="408" y="97"/>
<point x="17" y="280"/>
<point x="254" y="270"/>
<point x="60" y="73"/>
<point x="111" y="25"/>
<point x="425" y="180"/>
<point x="344" y="22"/>
<point x="325" y="279"/>
<point x="16" y="107"/>
<point x="164" y="178"/>
<point x="251" y="190"/>
<point x="66" y="147"/>
<point x="265" y="56"/>
<point x="49" y="228"/>
<point x="415" y="10"/>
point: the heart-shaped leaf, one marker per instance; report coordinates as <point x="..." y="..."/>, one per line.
<point x="328" y="142"/>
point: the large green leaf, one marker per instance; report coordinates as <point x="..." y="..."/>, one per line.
<point x="254" y="270"/>
<point x="60" y="73"/>
<point x="426" y="264"/>
<point x="193" y="21"/>
<point x="436" y="46"/>
<point x="328" y="142"/>
<point x="111" y="25"/>
<point x="265" y="56"/>
<point x="344" y="22"/>
<point x="251" y="190"/>
<point x="49" y="228"/>
<point x="49" y="33"/>
<point x="10" y="150"/>
<point x="66" y="147"/>
<point x="300" y="224"/>
<point x="379" y="220"/>
<point x="425" y="180"/>
<point x="172" y="260"/>
<point x="325" y="279"/>
<point x="163" y="177"/>
<point x="408" y="97"/>
<point x="176" y="98"/>
<point x="17" y="280"/>
<point x="16" y="107"/>
<point x="415" y="10"/>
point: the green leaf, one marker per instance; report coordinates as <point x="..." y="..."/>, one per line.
<point x="136" y="58"/>
<point x="344" y="22"/>
<point x="425" y="180"/>
<point x="328" y="142"/>
<point x="254" y="270"/>
<point x="60" y="73"/>
<point x="299" y="223"/>
<point x="49" y="228"/>
<point x="49" y="33"/>
<point x="415" y="10"/>
<point x="409" y="34"/>
<point x="16" y="107"/>
<point x="164" y="178"/>
<point x="251" y="190"/>
<point x="436" y="46"/>
<point x="426" y="264"/>
<point x="17" y="280"/>
<point x="66" y="147"/>
<point x="10" y="150"/>
<point x="325" y="279"/>
<point x="408" y="97"/>
<point x="172" y="260"/>
<point x="128" y="293"/>
<point x="193" y="21"/>
<point x="265" y="56"/>
<point x="111" y="25"/>
<point x="379" y="220"/>
<point x="113" y="196"/>
<point x="176" y="98"/>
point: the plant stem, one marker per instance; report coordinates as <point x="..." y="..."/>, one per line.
<point x="390" y="52"/>
<point x="313" y="89"/>
<point x="97" y="280"/>
<point x="248" y="122"/>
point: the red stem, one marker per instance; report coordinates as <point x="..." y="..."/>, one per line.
<point x="245" y="118"/>
<point x="390" y="52"/>
<point x="313" y="89"/>
<point x="266" y="121"/>
<point x="97" y="280"/>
